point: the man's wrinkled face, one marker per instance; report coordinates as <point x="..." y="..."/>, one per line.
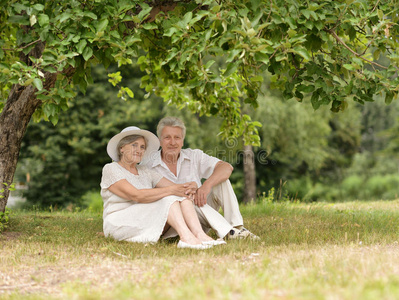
<point x="171" y="141"/>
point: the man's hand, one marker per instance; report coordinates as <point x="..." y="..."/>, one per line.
<point x="221" y="173"/>
<point x="202" y="195"/>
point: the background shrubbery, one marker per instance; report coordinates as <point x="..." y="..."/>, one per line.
<point x="304" y="155"/>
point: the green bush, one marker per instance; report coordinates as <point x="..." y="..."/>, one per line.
<point x="352" y="186"/>
<point x="383" y="186"/>
<point x="93" y="201"/>
<point x="299" y="188"/>
<point x="323" y="192"/>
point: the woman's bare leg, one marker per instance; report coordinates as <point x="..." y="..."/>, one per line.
<point x="177" y="221"/>
<point x="192" y="221"/>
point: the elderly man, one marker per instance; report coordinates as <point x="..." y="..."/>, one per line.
<point x="184" y="165"/>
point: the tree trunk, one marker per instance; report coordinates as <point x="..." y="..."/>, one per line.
<point x="249" y="174"/>
<point x="14" y="119"/>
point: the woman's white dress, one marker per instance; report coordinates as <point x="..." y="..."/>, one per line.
<point x="127" y="220"/>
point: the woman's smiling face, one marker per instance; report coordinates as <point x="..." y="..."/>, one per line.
<point x="133" y="152"/>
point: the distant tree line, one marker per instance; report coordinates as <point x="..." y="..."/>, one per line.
<point x="306" y="155"/>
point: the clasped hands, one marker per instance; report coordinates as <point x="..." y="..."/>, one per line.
<point x="198" y="195"/>
<point x="192" y="192"/>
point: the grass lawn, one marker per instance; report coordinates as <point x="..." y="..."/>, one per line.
<point x="307" y="251"/>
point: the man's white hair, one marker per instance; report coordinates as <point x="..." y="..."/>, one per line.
<point x="173" y="122"/>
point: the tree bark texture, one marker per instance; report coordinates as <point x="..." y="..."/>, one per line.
<point x="14" y="119"/>
<point x="249" y="174"/>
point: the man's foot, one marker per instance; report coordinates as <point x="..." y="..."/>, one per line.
<point x="241" y="233"/>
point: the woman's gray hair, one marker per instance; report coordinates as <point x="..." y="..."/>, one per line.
<point x="173" y="122"/>
<point x="127" y="140"/>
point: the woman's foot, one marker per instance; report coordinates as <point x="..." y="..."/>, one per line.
<point x="201" y="246"/>
<point x="215" y="242"/>
<point x="203" y="237"/>
<point x="207" y="240"/>
<point x="190" y="239"/>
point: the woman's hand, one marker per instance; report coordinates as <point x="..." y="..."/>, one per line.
<point x="191" y="188"/>
<point x="178" y="189"/>
<point x="187" y="189"/>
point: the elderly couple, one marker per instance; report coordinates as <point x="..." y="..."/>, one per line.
<point x="149" y="193"/>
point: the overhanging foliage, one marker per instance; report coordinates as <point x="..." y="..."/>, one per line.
<point x="331" y="51"/>
<point x="328" y="49"/>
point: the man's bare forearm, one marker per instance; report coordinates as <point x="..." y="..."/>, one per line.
<point x="221" y="173"/>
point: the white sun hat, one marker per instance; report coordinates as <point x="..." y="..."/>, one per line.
<point x="152" y="142"/>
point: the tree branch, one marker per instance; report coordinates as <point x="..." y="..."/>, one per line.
<point x="375" y="6"/>
<point x="339" y="40"/>
<point x="23" y="47"/>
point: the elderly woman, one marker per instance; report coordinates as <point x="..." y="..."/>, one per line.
<point x="139" y="204"/>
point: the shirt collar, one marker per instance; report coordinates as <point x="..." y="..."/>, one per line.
<point x="158" y="160"/>
<point x="184" y="155"/>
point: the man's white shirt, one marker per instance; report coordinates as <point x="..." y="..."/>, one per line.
<point x="192" y="165"/>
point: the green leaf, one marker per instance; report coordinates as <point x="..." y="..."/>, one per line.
<point x="231" y="68"/>
<point x="315" y="100"/>
<point x="172" y="53"/>
<point x="87" y="53"/>
<point x="262" y="57"/>
<point x="291" y="33"/>
<point x="281" y="57"/>
<point x="258" y="78"/>
<point x="209" y="64"/>
<point x="169" y="32"/>
<point x="389" y="97"/>
<point x="232" y="55"/>
<point x="19" y="7"/>
<point x="65" y="16"/>
<point x="305" y="88"/>
<point x="115" y="78"/>
<point x="187" y="17"/>
<point x="43" y="20"/>
<point x="115" y="34"/>
<point x="291" y="22"/>
<point x="129" y="92"/>
<point x="54" y="119"/>
<point x="149" y="26"/>
<point x="101" y="25"/>
<point x="306" y="13"/>
<point x="208" y="34"/>
<point x="380" y="14"/>
<point x="38" y="7"/>
<point x="81" y="46"/>
<point x="146" y="9"/>
<point x="349" y="67"/>
<point x="376" y="54"/>
<point x="302" y="52"/>
<point x="91" y="15"/>
<point x="215" y="9"/>
<point x="49" y="109"/>
<point x="38" y="84"/>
